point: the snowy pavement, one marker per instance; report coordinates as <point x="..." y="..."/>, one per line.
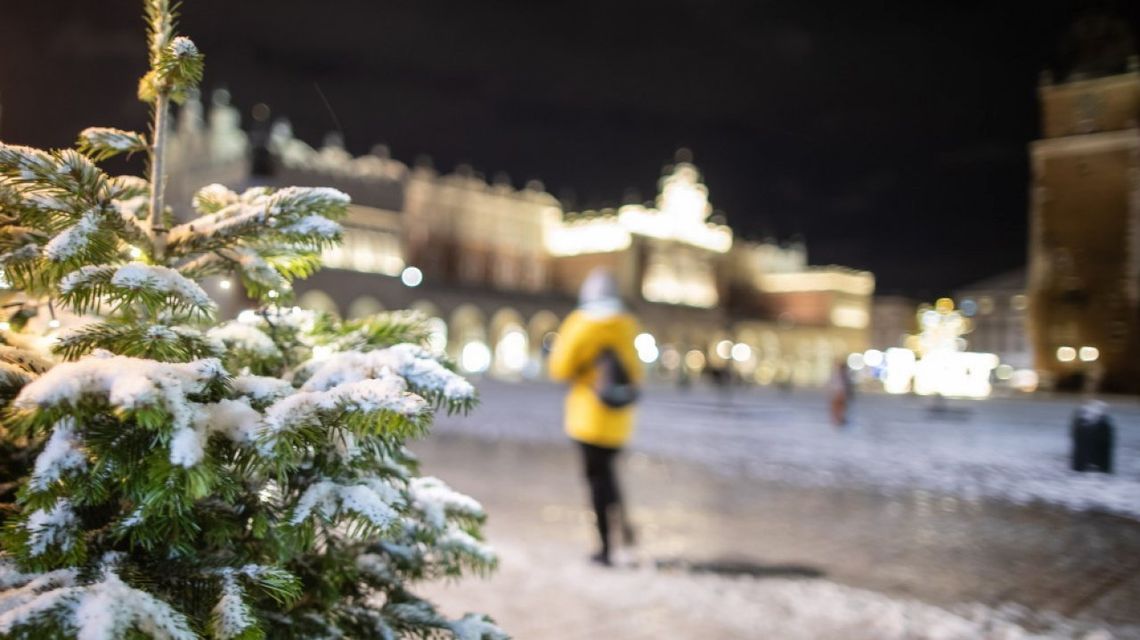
<point x="1013" y="450"/>
<point x="779" y="561"/>
<point x="542" y="592"/>
<point x="910" y="524"/>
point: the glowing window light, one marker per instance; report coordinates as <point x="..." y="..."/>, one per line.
<point x="823" y="279"/>
<point x="855" y="361"/>
<point x="594" y="236"/>
<point x="741" y="352"/>
<point x="1089" y="354"/>
<point x="1066" y="354"/>
<point x="724" y="349"/>
<point x="850" y="317"/>
<point x="511" y="352"/>
<point x="475" y="357"/>
<point x="412" y="277"/>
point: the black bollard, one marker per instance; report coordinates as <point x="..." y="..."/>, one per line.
<point x="1093" y="436"/>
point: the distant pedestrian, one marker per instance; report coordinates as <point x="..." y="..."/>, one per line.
<point x="1092" y="434"/>
<point x="594" y="352"/>
<point x="841" y="390"/>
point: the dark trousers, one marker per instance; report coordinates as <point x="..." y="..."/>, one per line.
<point x="604" y="493"/>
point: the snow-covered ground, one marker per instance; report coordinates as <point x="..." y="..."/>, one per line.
<point x="1012" y="449"/>
<point x="543" y="590"/>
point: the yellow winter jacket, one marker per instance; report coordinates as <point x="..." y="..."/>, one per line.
<point x="581" y="338"/>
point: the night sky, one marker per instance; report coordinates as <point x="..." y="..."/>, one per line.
<point x="889" y="137"/>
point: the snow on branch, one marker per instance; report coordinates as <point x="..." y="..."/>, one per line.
<point x="474" y="626"/>
<point x="243" y="336"/>
<point x="413" y="363"/>
<point x="231" y="616"/>
<point x="261" y="210"/>
<point x="371" y="498"/>
<point x="74" y="239"/>
<point x="154" y="285"/>
<point x="374" y="402"/>
<point x="105" y="610"/>
<point x="262" y="389"/>
<point x="130" y="385"/>
<point x="101" y="143"/>
<point x="61" y="454"/>
<point x="435" y="501"/>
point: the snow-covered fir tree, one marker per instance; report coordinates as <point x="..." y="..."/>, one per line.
<point x="177" y="478"/>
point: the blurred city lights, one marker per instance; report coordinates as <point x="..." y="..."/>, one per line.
<point x="873" y="358"/>
<point x="475" y="357"/>
<point x="1066" y="354"/>
<point x="646" y="346"/>
<point x="1089" y="354"/>
<point x="670" y="358"/>
<point x="412" y="277"/>
<point x="855" y="361"/>
<point x="649" y="354"/>
<point x="899" y="370"/>
<point x="724" y="349"/>
<point x="1003" y="372"/>
<point x="437" y="334"/>
<point x="644" y="341"/>
<point x="695" y="360"/>
<point x="1025" y="380"/>
<point x="741" y="352"/>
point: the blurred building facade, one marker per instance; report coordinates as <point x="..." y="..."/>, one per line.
<point x="997" y="309"/>
<point x="893" y="320"/>
<point x="1084" y="247"/>
<point x="497" y="268"/>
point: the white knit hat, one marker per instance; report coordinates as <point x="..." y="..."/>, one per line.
<point x="599" y="290"/>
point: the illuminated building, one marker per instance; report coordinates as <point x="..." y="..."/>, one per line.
<point x="1084" y="249"/>
<point x="997" y="309"/>
<point x="497" y="267"/>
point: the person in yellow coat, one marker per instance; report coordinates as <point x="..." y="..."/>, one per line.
<point x="595" y="353"/>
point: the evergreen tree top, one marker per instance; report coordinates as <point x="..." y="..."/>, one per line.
<point x="181" y="478"/>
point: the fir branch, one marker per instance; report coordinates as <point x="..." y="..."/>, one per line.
<point x="100" y="143"/>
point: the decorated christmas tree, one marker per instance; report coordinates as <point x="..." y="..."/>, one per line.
<point x="177" y="478"/>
